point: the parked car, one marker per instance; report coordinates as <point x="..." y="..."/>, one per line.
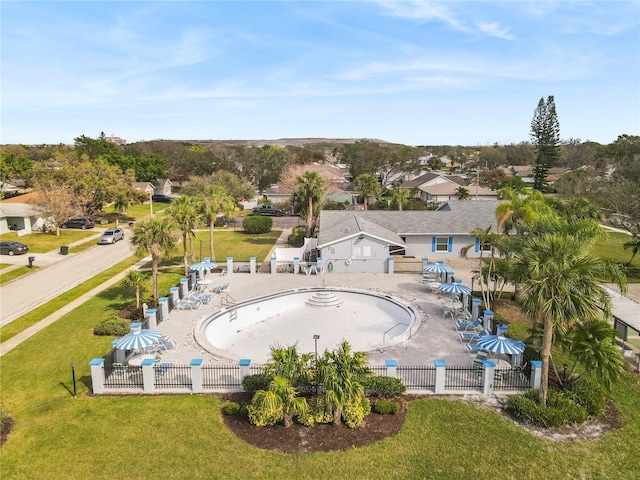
<point x="13" y="248"/>
<point x="112" y="235"/>
<point x="269" y="210"/>
<point x="82" y="222"/>
<point x="161" y="198"/>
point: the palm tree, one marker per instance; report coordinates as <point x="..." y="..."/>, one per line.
<point x="341" y="373"/>
<point x="592" y="346"/>
<point x="399" y="197"/>
<point x="561" y="284"/>
<point x="216" y="201"/>
<point x="310" y="190"/>
<point x="521" y="209"/>
<point x="463" y="193"/>
<point x="158" y="238"/>
<point x="367" y="185"/>
<point x="184" y="212"/>
<point x="634" y="245"/>
<point x="289" y="364"/>
<point x="279" y="400"/>
<point x="486" y="238"/>
<point x="138" y="280"/>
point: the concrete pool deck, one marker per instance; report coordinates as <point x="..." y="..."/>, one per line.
<point x="434" y="339"/>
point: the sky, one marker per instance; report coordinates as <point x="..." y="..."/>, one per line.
<point x="410" y="72"/>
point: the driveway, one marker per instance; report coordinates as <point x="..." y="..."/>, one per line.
<point x="59" y="273"/>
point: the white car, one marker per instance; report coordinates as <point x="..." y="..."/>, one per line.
<point x="111" y="235"/>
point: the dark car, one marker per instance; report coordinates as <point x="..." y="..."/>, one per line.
<point x="13" y="248"/>
<point x="269" y="210"/>
<point x="161" y="198"/>
<point x="81" y="222"/>
<point x="112" y="235"/>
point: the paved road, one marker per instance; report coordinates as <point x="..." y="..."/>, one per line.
<point x="58" y="274"/>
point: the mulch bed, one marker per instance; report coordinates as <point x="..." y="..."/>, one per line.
<point x="319" y="438"/>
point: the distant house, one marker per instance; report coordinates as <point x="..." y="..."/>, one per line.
<point x="20" y="214"/>
<point x="437" y="187"/>
<point x="363" y="241"/>
<point x="145" y="187"/>
<point x="162" y="186"/>
<point x="116" y="140"/>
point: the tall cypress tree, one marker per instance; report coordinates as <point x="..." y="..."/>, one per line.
<point x="545" y="131"/>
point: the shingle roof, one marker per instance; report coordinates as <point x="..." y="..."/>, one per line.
<point x="457" y="218"/>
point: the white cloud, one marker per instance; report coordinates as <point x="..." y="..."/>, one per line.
<point x="495" y="30"/>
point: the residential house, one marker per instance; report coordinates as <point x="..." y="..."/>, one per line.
<point x="162" y="186"/>
<point x="20" y="214"/>
<point x="364" y="241"/>
<point x="116" y="140"/>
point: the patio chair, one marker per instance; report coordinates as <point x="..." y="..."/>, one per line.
<point x="188" y="304"/>
<point x="468" y="325"/>
<point x="164" y="366"/>
<point x="473" y="348"/>
<point x="156" y="348"/>
<point x="465" y="337"/>
<point x="220" y="288"/>
<point x="200" y="297"/>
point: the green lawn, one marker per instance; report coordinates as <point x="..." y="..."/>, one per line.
<point x="227" y="243"/>
<point x="17" y="272"/>
<point x="177" y="437"/>
<point x="613" y="249"/>
<point x="45" y="242"/>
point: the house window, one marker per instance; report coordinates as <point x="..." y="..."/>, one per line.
<point x="355" y="251"/>
<point x="442" y="244"/>
<point x="366" y="251"/>
<point x="332" y="250"/>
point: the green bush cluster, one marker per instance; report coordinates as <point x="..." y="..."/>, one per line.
<point x="384" y="387"/>
<point x="113" y="326"/>
<point x="317" y="412"/>
<point x="296" y="239"/>
<point x="262" y="417"/>
<point x="230" y="408"/>
<point x="561" y="410"/>
<point x="253" y="383"/>
<point x="257" y="224"/>
<point x="353" y="413"/>
<point x="386" y="407"/>
<point x="590" y="394"/>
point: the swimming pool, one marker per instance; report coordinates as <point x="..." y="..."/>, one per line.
<point x="367" y="320"/>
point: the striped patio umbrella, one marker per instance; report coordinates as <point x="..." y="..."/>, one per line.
<point x="455" y="288"/>
<point x="203" y="266"/>
<point x="138" y="339"/>
<point x="437" y="267"/>
<point x="505" y="345"/>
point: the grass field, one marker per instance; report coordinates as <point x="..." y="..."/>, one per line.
<point x="45" y="242"/>
<point x="178" y="437"/>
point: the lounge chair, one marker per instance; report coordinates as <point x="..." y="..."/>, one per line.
<point x="188" y="304"/>
<point x="465" y="337"/>
<point x="473" y="348"/>
<point x="164" y="366"/>
<point x="156" y="348"/>
<point x="220" y="288"/>
<point x="200" y="297"/>
<point x="468" y="325"/>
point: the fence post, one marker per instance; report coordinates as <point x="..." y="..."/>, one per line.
<point x="174" y="294"/>
<point x="97" y="375"/>
<point x="244" y="367"/>
<point x="148" y="376"/>
<point x="475" y="308"/>
<point x="488" y="320"/>
<point x="196" y="375"/>
<point x="441" y="376"/>
<point x="229" y="265"/>
<point x="536" y="373"/>
<point x="392" y="368"/>
<point x="163" y="310"/>
<point x="193" y="278"/>
<point x="487" y="377"/>
<point x="152" y="319"/>
<point x="274" y="264"/>
<point x="296" y="265"/>
<point x="118" y="355"/>
<point x="392" y="267"/>
<point x="184" y="287"/>
<point x="252" y="265"/>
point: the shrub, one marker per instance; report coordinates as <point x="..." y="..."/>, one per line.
<point x="257" y="224"/>
<point x="353" y="413"/>
<point x="560" y="409"/>
<point x="384" y="387"/>
<point x="317" y="412"/>
<point x="386" y="407"/>
<point x="573" y="413"/>
<point x="589" y="394"/>
<point x="253" y="383"/>
<point x="261" y="417"/>
<point x="113" y="326"/>
<point x="296" y="239"/>
<point x="230" y="408"/>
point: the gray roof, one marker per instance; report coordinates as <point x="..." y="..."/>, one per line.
<point x="427" y="177"/>
<point x="453" y="218"/>
<point x="18" y="210"/>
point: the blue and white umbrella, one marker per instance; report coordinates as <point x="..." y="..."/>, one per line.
<point x="138" y="339"/>
<point x="497" y="344"/>
<point x="437" y="267"/>
<point x="203" y="266"/>
<point x="455" y="288"/>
